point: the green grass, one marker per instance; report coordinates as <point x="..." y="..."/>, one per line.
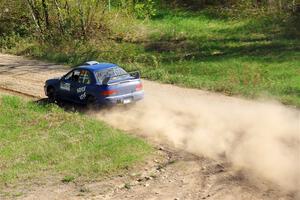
<point x="38" y="141"/>
<point x="253" y="56"/>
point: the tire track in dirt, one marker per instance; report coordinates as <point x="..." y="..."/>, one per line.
<point x="16" y="92"/>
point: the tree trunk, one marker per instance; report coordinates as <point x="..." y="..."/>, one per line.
<point x="294" y="5"/>
<point x="81" y="15"/>
<point x="271" y="5"/>
<point x="35" y="16"/>
<point x="279" y="5"/>
<point x="60" y="20"/>
<point x="91" y="14"/>
<point x="46" y="15"/>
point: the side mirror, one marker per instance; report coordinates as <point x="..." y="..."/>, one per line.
<point x="135" y="74"/>
<point x="105" y="80"/>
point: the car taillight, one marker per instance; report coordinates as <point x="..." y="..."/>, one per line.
<point x="139" y="87"/>
<point x="109" y="92"/>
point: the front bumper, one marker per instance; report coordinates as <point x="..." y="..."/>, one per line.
<point x="45" y="90"/>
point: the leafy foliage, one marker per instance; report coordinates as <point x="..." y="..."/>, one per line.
<point x="145" y="9"/>
<point x="14" y="18"/>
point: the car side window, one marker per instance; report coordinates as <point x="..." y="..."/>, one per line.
<point x="84" y="77"/>
<point x="73" y="76"/>
<point x="69" y="75"/>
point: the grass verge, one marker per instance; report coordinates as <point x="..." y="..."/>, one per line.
<point x="37" y="141"/>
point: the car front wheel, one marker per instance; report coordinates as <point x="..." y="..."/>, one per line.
<point x="51" y="94"/>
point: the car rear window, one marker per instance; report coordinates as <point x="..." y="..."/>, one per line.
<point x="115" y="73"/>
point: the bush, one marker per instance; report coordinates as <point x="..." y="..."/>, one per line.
<point x="145" y="9"/>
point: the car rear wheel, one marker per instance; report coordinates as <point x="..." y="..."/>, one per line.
<point x="91" y="102"/>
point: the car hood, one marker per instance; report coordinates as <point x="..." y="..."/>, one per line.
<point x="53" y="80"/>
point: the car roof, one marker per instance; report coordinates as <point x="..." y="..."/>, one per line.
<point x="96" y="66"/>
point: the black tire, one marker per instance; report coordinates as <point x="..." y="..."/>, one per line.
<point x="51" y="94"/>
<point x="91" y="102"/>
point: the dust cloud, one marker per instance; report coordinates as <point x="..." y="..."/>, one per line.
<point x="263" y="137"/>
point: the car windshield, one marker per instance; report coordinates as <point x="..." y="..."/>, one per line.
<point x="115" y="73"/>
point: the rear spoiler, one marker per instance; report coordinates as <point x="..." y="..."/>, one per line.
<point x="135" y="75"/>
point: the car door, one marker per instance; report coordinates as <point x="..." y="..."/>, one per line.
<point x="80" y="86"/>
<point x="65" y="84"/>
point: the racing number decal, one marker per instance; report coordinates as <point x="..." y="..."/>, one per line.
<point x="80" y="90"/>
<point x="65" y="86"/>
<point x="81" y="97"/>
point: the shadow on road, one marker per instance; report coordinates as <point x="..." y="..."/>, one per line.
<point x="65" y="105"/>
<point x="81" y="108"/>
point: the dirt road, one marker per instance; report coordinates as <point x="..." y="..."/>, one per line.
<point x="214" y="146"/>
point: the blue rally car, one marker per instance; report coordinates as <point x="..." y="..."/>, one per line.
<point x="96" y="83"/>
